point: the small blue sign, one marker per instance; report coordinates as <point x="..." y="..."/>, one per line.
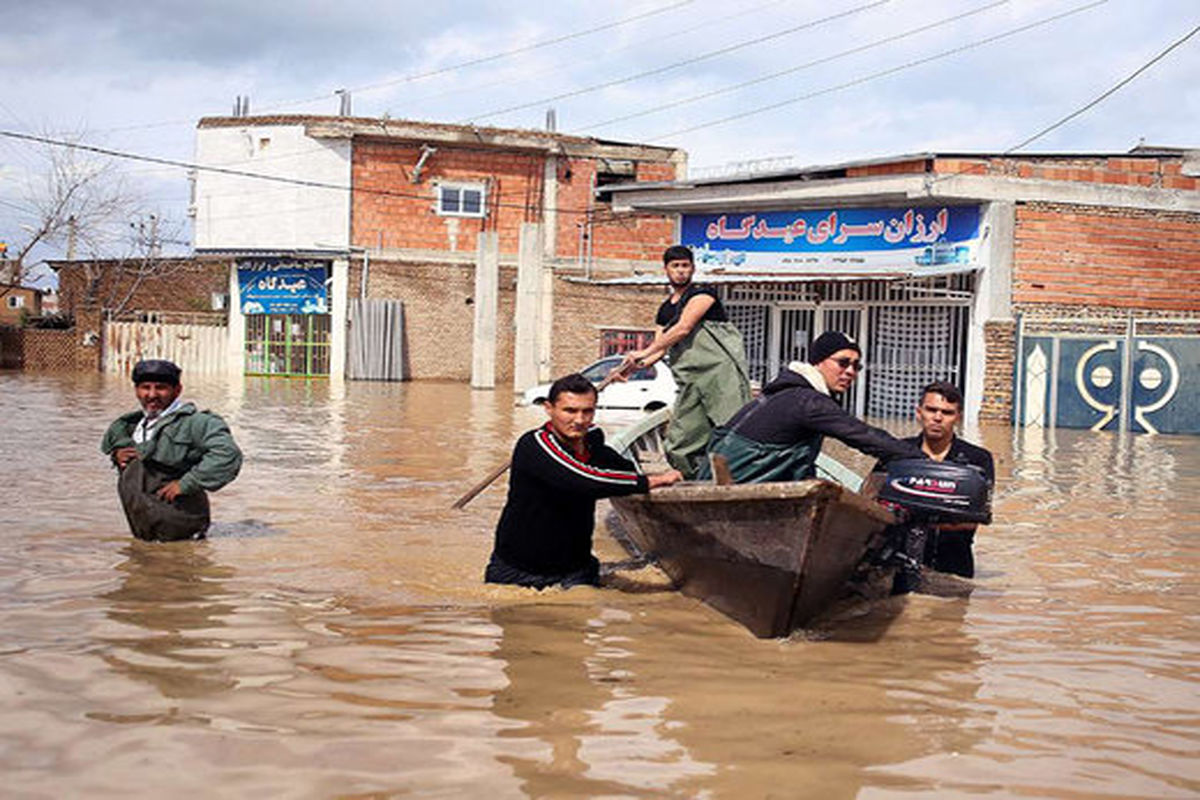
<point x="282" y="287"/>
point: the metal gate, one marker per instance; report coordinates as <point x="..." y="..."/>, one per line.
<point x="376" y="340"/>
<point x="754" y="321"/>
<point x="292" y="345"/>
<point x="909" y="347"/>
<point x="1136" y="375"/>
<point x="909" y="337"/>
<point x="197" y="349"/>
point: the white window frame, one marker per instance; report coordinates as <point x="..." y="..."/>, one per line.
<point x="443" y="188"/>
<point x="15" y="301"/>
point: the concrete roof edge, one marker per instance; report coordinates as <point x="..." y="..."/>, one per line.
<point x="797" y="172"/>
<point x="335" y="127"/>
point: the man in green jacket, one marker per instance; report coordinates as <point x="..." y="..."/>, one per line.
<point x="169" y="456"/>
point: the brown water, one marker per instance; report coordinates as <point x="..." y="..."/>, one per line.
<point x="341" y="644"/>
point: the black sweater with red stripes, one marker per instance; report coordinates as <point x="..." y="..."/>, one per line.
<point x="547" y="522"/>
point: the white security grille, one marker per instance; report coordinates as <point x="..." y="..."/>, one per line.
<point x="910" y="347"/>
<point x="753" y="321"/>
<point x="914" y="332"/>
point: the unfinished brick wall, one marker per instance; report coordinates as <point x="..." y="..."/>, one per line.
<point x="1161" y="171"/>
<point x="439" y="316"/>
<point x="171" y="285"/>
<point x="582" y="310"/>
<point x="1000" y="360"/>
<point x="392" y="212"/>
<point x="1074" y="256"/>
<point x="439" y="320"/>
<point x="58" y="351"/>
<point x="1164" y="172"/>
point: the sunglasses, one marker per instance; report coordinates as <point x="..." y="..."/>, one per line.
<point x="847" y="363"/>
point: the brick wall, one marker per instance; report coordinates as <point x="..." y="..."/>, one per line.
<point x="438" y="319"/>
<point x="172" y="285"/>
<point x="1076" y="256"/>
<point x="58" y="351"/>
<point x="1000" y="359"/>
<point x="581" y="310"/>
<point x="1164" y="172"/>
<point x="392" y="212"/>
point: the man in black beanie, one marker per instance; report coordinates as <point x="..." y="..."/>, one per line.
<point x="169" y="456"/>
<point x="778" y="436"/>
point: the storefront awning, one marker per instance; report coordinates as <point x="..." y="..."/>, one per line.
<point x="880" y="272"/>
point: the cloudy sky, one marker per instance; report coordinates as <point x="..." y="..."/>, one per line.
<point x="766" y="81"/>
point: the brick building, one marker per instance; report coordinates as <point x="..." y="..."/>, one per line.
<point x="163" y="296"/>
<point x="405" y="211"/>
<point x="18" y="303"/>
<point x="970" y="267"/>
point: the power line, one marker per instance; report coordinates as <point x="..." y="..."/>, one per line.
<point x="440" y="71"/>
<point x="684" y="63"/>
<point x="931" y="181"/>
<point x="791" y="70"/>
<point x="876" y="75"/>
<point x="474" y="62"/>
<point x="1105" y="95"/>
<point x="557" y="69"/>
<point x="189" y="165"/>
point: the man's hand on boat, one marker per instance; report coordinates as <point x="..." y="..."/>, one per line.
<point x="123" y="455"/>
<point x="660" y="479"/>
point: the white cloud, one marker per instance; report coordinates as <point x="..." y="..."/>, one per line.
<point x="138" y="76"/>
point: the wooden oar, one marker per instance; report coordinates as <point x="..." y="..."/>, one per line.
<point x="500" y="470"/>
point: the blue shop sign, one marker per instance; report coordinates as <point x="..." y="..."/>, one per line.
<point x="282" y="287"/>
<point x="850" y="239"/>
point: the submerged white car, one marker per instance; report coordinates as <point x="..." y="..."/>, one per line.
<point x="647" y="389"/>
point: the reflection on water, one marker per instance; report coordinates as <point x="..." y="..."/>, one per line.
<point x="340" y="642"/>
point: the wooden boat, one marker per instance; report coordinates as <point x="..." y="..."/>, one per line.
<point x="772" y="556"/>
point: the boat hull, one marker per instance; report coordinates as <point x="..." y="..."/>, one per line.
<point x="772" y="556"/>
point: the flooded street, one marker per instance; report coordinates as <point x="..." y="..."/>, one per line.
<point x="333" y="639"/>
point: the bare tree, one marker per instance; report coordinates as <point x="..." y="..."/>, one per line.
<point x="114" y="282"/>
<point x="73" y="200"/>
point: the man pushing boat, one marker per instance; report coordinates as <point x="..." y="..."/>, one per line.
<point x="558" y="471"/>
<point x="169" y="456"/>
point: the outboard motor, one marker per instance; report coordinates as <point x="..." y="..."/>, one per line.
<point x="924" y="493"/>
<point x="937" y="491"/>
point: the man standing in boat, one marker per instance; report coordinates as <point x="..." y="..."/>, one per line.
<point x="558" y="471"/>
<point x="707" y="357"/>
<point x="948" y="546"/>
<point x="169" y="456"/>
<point x="778" y="436"/>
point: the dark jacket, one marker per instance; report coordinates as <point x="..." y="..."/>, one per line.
<point x="778" y="436"/>
<point x="546" y="526"/>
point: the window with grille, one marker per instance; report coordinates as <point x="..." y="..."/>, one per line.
<point x="461" y="199"/>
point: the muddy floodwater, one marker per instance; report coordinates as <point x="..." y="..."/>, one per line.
<point x="332" y="637"/>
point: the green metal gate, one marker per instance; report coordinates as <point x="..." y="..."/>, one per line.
<point x="287" y="344"/>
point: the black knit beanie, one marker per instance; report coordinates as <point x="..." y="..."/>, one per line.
<point x="829" y="343"/>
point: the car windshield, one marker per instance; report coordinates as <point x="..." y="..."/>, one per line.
<point x="599" y="371"/>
